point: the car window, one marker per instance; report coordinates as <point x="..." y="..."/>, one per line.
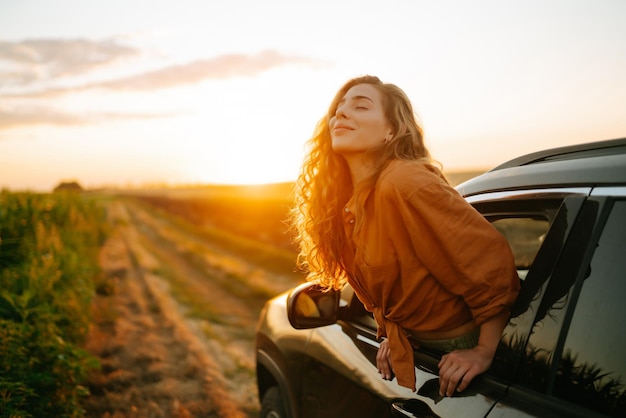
<point x="525" y="234"/>
<point x="536" y="230"/>
<point x="592" y="369"/>
<point x="541" y="309"/>
<point x="524" y="223"/>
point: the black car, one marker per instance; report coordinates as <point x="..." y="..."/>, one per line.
<point x="563" y="352"/>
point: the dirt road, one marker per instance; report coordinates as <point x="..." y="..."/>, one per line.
<point x="174" y="322"/>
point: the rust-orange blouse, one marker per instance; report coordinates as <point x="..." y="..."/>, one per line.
<point x="425" y="260"/>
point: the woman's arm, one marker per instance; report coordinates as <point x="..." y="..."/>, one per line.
<point x="458" y="368"/>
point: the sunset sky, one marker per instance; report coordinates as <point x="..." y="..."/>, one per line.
<point x="138" y="92"/>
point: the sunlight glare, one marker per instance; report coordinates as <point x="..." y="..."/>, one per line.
<point x="274" y="115"/>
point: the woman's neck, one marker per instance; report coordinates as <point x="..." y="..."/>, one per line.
<point x="360" y="169"/>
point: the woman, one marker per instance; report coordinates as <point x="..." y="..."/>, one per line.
<point x="373" y="210"/>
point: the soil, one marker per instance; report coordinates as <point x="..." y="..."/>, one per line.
<point x="173" y="322"/>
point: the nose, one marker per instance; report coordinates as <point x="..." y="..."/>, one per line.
<point x="340" y="112"/>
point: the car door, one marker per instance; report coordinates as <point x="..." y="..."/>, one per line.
<point x="573" y="361"/>
<point x="536" y="224"/>
<point x="338" y="379"/>
<point x="341" y="377"/>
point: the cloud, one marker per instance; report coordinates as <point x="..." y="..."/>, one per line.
<point x="221" y="67"/>
<point x="27" y="61"/>
<point x="27" y="64"/>
<point x="29" y="116"/>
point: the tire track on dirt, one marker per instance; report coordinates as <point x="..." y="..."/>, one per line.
<point x="162" y="275"/>
<point x="152" y="363"/>
<point x="226" y="324"/>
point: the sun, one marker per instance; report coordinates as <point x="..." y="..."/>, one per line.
<point x="244" y="163"/>
<point x="260" y="168"/>
<point x="250" y="131"/>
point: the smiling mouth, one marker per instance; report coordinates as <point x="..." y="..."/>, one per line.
<point x="337" y="132"/>
<point x="342" y="128"/>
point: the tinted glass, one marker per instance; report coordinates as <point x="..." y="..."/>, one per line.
<point x="547" y="291"/>
<point x="593" y="366"/>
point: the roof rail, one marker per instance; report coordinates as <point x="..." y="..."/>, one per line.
<point x="567" y="152"/>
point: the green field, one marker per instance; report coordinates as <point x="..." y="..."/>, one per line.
<point x="48" y="274"/>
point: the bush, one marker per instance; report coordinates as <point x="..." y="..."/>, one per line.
<point x="48" y="259"/>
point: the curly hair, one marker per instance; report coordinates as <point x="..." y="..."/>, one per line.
<point x="324" y="185"/>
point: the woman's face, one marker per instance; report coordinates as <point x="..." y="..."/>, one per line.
<point x="359" y="124"/>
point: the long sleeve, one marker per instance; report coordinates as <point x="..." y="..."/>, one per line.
<point x="458" y="247"/>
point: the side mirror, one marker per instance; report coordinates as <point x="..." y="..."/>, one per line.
<point x="311" y="305"/>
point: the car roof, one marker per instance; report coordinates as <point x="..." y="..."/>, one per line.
<point x="591" y="164"/>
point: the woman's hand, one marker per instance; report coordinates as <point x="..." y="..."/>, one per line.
<point x="458" y="368"/>
<point x="383" y="360"/>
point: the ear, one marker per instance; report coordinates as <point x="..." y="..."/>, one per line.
<point x="388" y="133"/>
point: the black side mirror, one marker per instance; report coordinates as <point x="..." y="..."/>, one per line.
<point x="311" y="305"/>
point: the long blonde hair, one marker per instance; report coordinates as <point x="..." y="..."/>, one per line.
<point x="324" y="185"/>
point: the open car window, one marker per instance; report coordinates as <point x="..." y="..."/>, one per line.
<point x="525" y="234"/>
<point x="524" y="223"/>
